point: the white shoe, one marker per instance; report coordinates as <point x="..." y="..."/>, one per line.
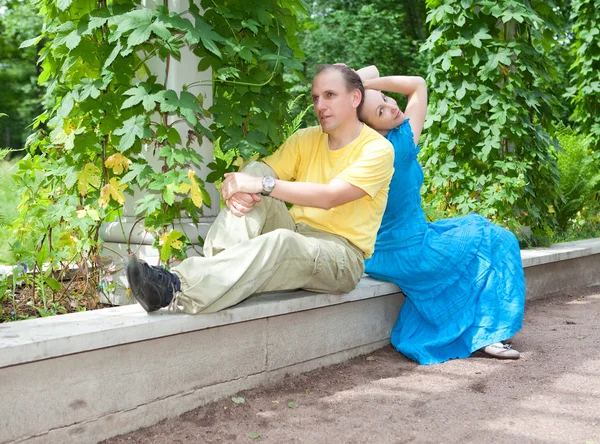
<point x="501" y="351"/>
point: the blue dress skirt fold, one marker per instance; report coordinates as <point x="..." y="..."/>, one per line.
<point x="462" y="277"/>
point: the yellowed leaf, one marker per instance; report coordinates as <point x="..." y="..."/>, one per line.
<point x="88" y="176"/>
<point x="68" y="238"/>
<point x="193" y="188"/>
<point x="118" y="163"/>
<point x="112" y="190"/>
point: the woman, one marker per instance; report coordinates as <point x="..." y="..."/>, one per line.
<point x="462" y="277"/>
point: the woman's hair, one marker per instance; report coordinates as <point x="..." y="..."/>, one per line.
<point x="351" y="79"/>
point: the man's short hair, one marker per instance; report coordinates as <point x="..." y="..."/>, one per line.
<point x="350" y="77"/>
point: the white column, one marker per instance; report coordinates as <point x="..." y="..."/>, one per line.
<point x="116" y="234"/>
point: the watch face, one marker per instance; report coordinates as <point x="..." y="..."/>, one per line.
<point x="268" y="183"/>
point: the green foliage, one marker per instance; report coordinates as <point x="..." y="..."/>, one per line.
<point x="295" y="124"/>
<point x="361" y="34"/>
<point x="585" y="81"/>
<point x="115" y="127"/>
<point x="253" y="44"/>
<point x="487" y="148"/>
<point x="579" y="177"/>
<point x="561" y="57"/>
<point x="21" y="96"/>
<point x="8" y="211"/>
<point x="385" y="33"/>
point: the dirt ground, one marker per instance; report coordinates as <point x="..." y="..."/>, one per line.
<point x="550" y="395"/>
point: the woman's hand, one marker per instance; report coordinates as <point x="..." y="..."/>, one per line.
<point x="368" y="73"/>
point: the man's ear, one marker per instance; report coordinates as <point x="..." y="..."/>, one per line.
<point x="356" y="98"/>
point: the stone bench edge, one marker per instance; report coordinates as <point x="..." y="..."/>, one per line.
<point x="45" y="338"/>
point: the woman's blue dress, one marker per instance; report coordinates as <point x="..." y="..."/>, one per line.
<point x="462" y="277"/>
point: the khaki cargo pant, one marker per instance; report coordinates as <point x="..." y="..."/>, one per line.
<point x="261" y="251"/>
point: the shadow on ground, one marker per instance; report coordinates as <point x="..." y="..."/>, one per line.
<point x="550" y="395"/>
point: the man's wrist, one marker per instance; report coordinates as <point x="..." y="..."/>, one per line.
<point x="268" y="184"/>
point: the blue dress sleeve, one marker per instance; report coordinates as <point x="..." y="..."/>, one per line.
<point x="402" y="139"/>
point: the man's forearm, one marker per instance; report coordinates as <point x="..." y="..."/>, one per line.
<point x="326" y="196"/>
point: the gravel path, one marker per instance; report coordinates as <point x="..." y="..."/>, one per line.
<point x="550" y="395"/>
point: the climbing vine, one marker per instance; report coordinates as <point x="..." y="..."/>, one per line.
<point x="585" y="84"/>
<point x="487" y="147"/>
<point x="113" y="126"/>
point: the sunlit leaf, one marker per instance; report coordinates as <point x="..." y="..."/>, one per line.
<point x="112" y="190"/>
<point x="117" y="162"/>
<point x="90" y="175"/>
<point x="134" y="127"/>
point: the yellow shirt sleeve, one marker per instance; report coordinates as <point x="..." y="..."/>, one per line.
<point x="286" y="159"/>
<point x="372" y="170"/>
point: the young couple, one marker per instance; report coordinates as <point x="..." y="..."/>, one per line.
<point x="462" y="277"/>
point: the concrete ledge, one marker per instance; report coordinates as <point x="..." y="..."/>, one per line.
<point x="51" y="337"/>
<point x="119" y="369"/>
<point x="561" y="267"/>
<point x="560" y="252"/>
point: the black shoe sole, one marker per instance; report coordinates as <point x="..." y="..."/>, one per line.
<point x="134" y="277"/>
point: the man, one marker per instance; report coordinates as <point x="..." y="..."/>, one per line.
<point x="336" y="175"/>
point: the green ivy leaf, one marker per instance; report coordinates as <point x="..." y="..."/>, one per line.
<point x="160" y="29"/>
<point x="446" y="64"/>
<point x="139" y="19"/>
<point x="205" y="33"/>
<point x="89" y="89"/>
<point x="169" y="102"/>
<point x="63" y="4"/>
<point x="188" y="106"/>
<point x="148" y="204"/>
<point x="140" y="93"/>
<point x="31" y="42"/>
<point x="134" y="127"/>
<point x="66" y="105"/>
<point x="72" y="40"/>
<point x="113" y="55"/>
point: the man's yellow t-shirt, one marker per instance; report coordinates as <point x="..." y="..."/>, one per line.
<point x="367" y="162"/>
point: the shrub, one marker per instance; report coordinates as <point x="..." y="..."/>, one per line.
<point x="579" y="178"/>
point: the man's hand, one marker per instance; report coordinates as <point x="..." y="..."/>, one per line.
<point x="242" y="203"/>
<point x="240" y="182"/>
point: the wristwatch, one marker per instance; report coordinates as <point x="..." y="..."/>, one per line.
<point x="268" y="183"/>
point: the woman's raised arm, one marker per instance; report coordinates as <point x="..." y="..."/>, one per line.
<point x="412" y="86"/>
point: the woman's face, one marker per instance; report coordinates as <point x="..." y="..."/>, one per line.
<point x="381" y="112"/>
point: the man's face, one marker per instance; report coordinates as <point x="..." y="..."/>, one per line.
<point x="334" y="105"/>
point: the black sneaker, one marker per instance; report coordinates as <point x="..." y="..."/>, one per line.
<point x="153" y="287"/>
